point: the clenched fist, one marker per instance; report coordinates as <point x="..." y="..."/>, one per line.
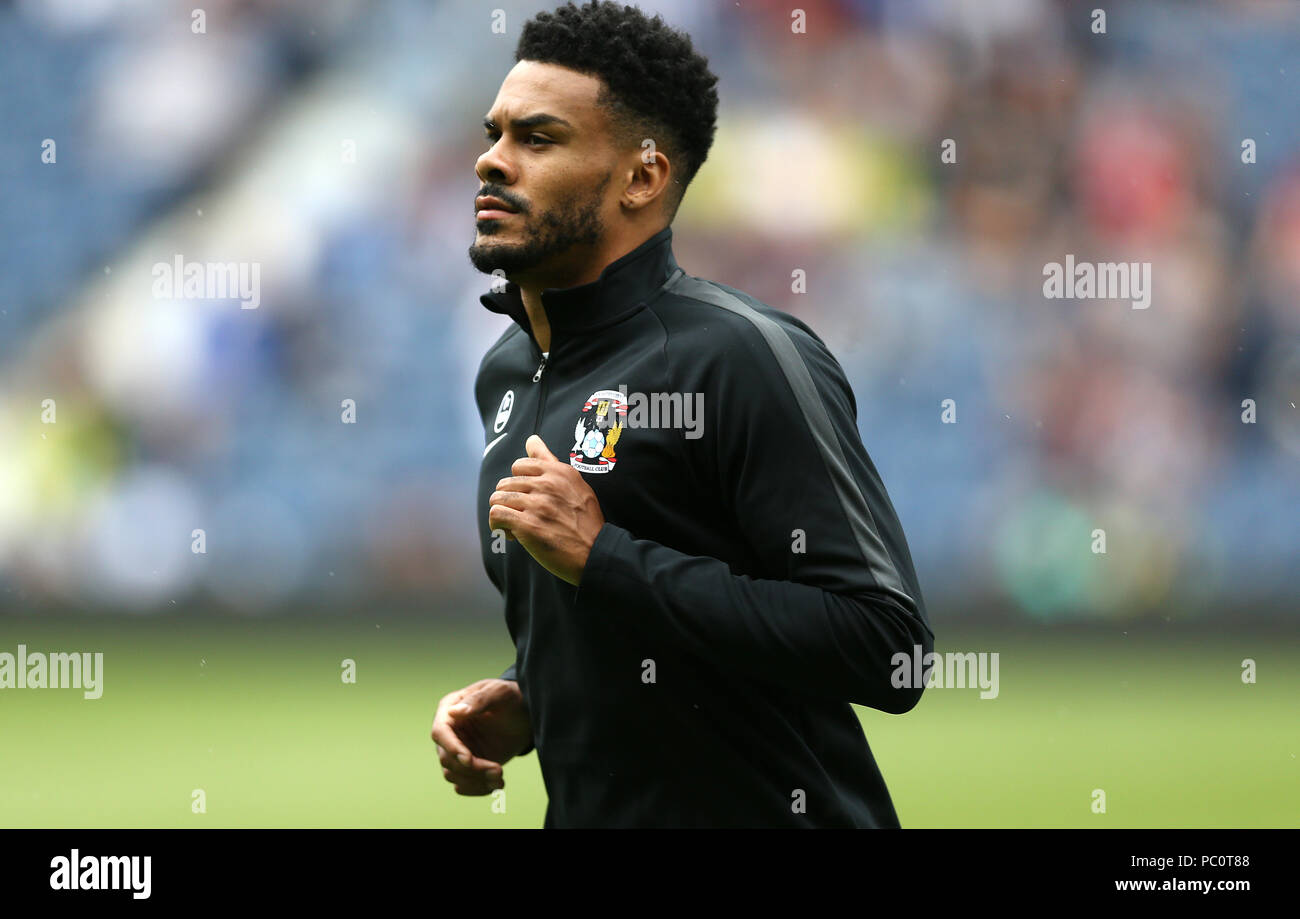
<point x="476" y="730"/>
<point x="547" y="506"/>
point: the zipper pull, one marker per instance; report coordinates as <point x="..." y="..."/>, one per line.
<point x="540" y="367"/>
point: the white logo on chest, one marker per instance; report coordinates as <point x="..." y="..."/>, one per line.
<point x="503" y="413"/>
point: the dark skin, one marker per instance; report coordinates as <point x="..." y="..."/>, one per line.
<point x="582" y="199"/>
<point x="547" y="506"/>
<point x="538" y="165"/>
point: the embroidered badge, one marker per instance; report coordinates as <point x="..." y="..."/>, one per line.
<point x="600" y="425"/>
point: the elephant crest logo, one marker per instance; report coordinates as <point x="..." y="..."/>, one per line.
<point x="604" y="415"/>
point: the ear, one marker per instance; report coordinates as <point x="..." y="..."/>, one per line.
<point x="650" y="175"/>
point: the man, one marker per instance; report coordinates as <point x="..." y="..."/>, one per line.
<point x="695" y="598"/>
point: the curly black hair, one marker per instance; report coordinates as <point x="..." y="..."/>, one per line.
<point x="655" y="84"/>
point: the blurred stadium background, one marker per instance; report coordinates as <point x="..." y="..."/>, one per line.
<point x="333" y="143"/>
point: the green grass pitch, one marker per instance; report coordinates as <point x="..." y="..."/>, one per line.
<point x="255" y="714"/>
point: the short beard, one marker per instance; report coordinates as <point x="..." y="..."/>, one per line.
<point x="573" y="222"/>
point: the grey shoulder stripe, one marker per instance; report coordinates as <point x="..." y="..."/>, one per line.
<point x="796" y="372"/>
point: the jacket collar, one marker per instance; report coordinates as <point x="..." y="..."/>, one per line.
<point x="623" y="286"/>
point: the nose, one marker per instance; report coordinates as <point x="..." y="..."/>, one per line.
<point x="493" y="167"/>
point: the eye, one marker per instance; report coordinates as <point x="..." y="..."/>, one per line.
<point x="542" y="140"/>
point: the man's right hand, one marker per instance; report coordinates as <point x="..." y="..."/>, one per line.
<point x="476" y="730"/>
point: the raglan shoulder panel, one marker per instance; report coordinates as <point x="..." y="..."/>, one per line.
<point x="774" y="344"/>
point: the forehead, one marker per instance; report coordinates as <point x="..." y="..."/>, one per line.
<point x="531" y="87"/>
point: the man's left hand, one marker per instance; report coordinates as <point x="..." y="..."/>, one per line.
<point x="548" y="507"/>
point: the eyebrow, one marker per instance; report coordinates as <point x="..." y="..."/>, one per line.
<point x="531" y="121"/>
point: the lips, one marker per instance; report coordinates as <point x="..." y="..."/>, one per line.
<point x="489" y="208"/>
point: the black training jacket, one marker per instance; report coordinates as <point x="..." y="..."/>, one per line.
<point x="751" y="579"/>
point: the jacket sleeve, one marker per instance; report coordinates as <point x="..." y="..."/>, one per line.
<point x="510" y="674"/>
<point x="836" y="598"/>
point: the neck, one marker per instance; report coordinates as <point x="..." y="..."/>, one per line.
<point x="532" y="297"/>
<point x="581" y="267"/>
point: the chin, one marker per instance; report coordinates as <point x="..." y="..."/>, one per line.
<point x="488" y="259"/>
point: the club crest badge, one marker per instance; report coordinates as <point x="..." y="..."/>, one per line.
<point x="600" y="425"/>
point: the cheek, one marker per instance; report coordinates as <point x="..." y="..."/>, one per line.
<point x="567" y="186"/>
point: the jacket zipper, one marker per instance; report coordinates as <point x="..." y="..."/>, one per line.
<point x="541" y="395"/>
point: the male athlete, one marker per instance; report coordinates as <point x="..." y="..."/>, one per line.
<point x="695" y="597"/>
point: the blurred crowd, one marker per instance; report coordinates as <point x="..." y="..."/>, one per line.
<point x="333" y="143"/>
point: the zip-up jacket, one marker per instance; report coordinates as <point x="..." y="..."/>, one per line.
<point x="751" y="579"/>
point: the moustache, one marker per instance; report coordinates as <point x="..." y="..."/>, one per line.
<point x="518" y="207"/>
